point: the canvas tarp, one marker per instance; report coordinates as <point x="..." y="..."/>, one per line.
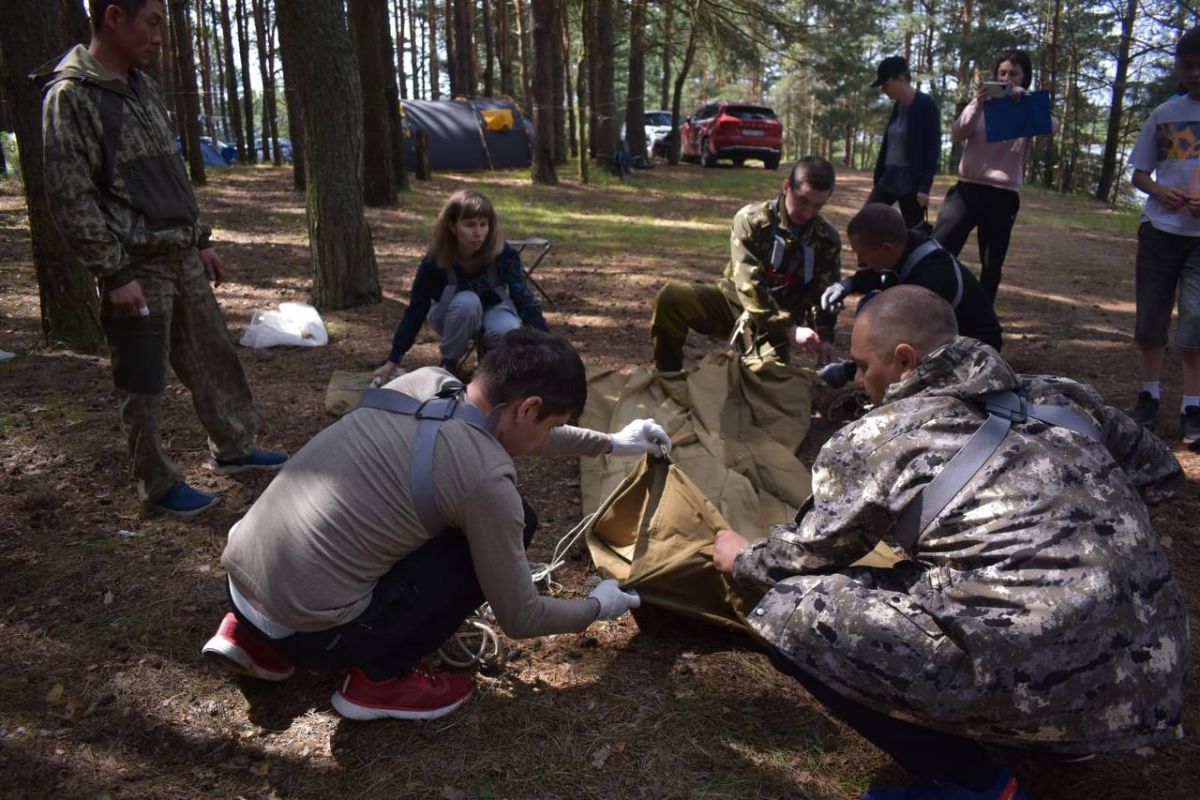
<point x="736" y="429"/>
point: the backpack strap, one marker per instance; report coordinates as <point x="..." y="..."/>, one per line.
<point x="918" y="255"/>
<point x="431" y="413"/>
<point x="1003" y="409"/>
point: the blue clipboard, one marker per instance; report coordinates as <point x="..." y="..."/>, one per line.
<point x="1005" y="118"/>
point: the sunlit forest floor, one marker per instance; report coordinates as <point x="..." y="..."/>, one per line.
<point x="103" y="610"/>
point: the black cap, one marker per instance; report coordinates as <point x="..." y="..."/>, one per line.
<point x="890" y="67"/>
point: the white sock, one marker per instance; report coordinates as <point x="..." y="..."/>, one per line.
<point x="1153" y="387"/>
<point x="1190" y="400"/>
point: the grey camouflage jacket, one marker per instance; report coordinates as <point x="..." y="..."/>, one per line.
<point x="114" y="178"/>
<point x="1039" y="609"/>
<point x="778" y="299"/>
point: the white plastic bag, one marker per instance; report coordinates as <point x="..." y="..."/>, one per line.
<point x="294" y="324"/>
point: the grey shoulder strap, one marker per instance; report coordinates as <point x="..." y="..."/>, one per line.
<point x="915" y="257"/>
<point x="1004" y="408"/>
<point x="430" y="415"/>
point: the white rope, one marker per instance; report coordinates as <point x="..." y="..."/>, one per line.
<point x="468" y="651"/>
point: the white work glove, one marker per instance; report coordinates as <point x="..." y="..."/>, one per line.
<point x="640" y="436"/>
<point x="613" y="600"/>
<point x="831" y="299"/>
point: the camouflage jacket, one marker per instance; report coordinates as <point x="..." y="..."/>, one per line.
<point x="777" y="296"/>
<point x="116" y="184"/>
<point x="1039" y="609"/>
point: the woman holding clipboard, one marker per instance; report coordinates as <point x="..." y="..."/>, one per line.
<point x="987" y="195"/>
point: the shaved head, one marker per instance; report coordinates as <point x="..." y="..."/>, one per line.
<point x="907" y="314"/>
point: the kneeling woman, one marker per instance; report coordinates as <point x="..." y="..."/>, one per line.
<point x="469" y="284"/>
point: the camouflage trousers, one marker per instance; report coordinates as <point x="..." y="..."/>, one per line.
<point x="186" y="329"/>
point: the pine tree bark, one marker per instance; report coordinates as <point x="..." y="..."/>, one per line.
<point x="189" y="121"/>
<point x="451" y="37"/>
<point x="289" y="54"/>
<point x="343" y="259"/>
<point x="504" y="46"/>
<point x="231" y="89"/>
<point x="559" y="96"/>
<point x="544" y="31"/>
<point x="249" y="155"/>
<point x="1050" y="75"/>
<point x="76" y="27"/>
<point x="1116" y="111"/>
<point x="572" y="134"/>
<point x="205" y="71"/>
<point x="668" y="30"/>
<point x="489" y="54"/>
<point x="264" y="76"/>
<point x="635" y="103"/>
<point x="379" y="185"/>
<point x="435" y="89"/>
<point x="393" y="91"/>
<point x="397" y="52"/>
<point x="218" y="58"/>
<point x="523" y="53"/>
<point x="606" y="105"/>
<point x="581" y="114"/>
<point x="677" y="100"/>
<point x="414" y="61"/>
<point x="70" y="306"/>
<point x="271" y="103"/>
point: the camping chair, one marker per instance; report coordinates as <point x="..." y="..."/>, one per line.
<point x="543" y="247"/>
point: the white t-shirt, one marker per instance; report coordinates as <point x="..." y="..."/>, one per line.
<point x="1169" y="146"/>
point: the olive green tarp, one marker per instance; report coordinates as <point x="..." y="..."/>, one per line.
<point x="735" y="430"/>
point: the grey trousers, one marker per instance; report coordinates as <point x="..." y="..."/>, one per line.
<point x="460" y="318"/>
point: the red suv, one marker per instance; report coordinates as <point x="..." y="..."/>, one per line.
<point x="732" y="130"/>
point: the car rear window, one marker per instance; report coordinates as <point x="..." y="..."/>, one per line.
<point x="749" y="112"/>
<point x="658" y="118"/>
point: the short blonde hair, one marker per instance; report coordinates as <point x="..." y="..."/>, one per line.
<point x="465" y="204"/>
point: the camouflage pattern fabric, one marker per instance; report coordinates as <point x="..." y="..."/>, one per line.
<point x="776" y="301"/>
<point x="1039" y="610"/>
<point x="120" y="195"/>
<point x="115" y="200"/>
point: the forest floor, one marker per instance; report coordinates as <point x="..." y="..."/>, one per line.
<point x="103" y="609"/>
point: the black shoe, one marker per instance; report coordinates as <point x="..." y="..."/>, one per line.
<point x="1145" y="412"/>
<point x="1189" y="424"/>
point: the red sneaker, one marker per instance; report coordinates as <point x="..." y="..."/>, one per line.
<point x="241" y="651"/>
<point x="418" y="695"/>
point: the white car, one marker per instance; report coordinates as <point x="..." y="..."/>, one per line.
<point x="658" y="127"/>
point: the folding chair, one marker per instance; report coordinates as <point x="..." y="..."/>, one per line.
<point x="541" y="245"/>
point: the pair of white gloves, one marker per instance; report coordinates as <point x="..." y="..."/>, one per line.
<point x="638" y="437"/>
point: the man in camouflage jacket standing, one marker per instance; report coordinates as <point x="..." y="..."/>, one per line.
<point x="783" y="255"/>
<point x="120" y="195"/>
<point x="1036" y="609"/>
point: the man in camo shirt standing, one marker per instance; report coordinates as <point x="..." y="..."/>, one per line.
<point x="120" y="196"/>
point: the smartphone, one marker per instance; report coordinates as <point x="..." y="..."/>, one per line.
<point x="996" y="88"/>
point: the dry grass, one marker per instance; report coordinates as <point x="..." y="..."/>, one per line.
<point x="102" y="692"/>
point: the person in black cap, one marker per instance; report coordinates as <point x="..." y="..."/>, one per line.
<point x="908" y="157"/>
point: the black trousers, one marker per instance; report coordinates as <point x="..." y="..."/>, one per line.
<point x="994" y="212"/>
<point x="415" y="607"/>
<point x="925" y="753"/>
<point x="912" y="211"/>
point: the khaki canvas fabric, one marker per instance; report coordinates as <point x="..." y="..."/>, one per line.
<point x="735" y="428"/>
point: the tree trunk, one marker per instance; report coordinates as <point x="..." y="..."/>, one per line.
<point x="606" y="104"/>
<point x="581" y="114"/>
<point x="369" y="24"/>
<point x="235" y="110"/>
<point x="205" y="71"/>
<point x="504" y="47"/>
<point x="70" y="307"/>
<point x="393" y="82"/>
<point x="249" y="156"/>
<point x="635" y="102"/>
<point x="489" y="48"/>
<point x="1050" y="72"/>
<point x="590" y="34"/>
<point x="218" y="58"/>
<point x="523" y="49"/>
<point x="435" y="89"/>
<point x="572" y="135"/>
<point x="289" y="54"/>
<point x="75" y="26"/>
<point x="667" y="32"/>
<point x="544" y="32"/>
<point x="414" y="61"/>
<point x="965" y="92"/>
<point x="684" y="69"/>
<point x="559" y="94"/>
<point x="397" y="53"/>
<point x="452" y="65"/>
<point x="344" y="268"/>
<point x="1112" y="141"/>
<point x="268" y="90"/>
<point x="189" y="122"/>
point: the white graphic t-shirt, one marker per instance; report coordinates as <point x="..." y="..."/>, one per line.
<point x="1169" y="146"/>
